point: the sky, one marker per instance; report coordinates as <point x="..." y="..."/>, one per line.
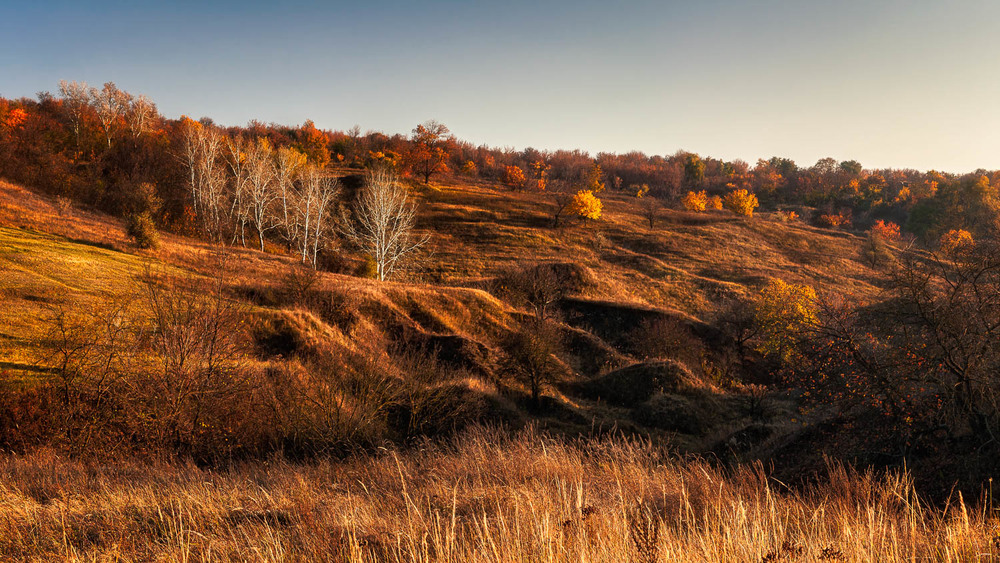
<point x="892" y="84"/>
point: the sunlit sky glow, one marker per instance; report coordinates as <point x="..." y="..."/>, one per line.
<point x="903" y="84"/>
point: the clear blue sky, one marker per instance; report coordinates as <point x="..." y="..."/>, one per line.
<point x="889" y="83"/>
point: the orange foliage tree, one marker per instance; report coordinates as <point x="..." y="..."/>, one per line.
<point x="585" y="204"/>
<point x="956" y="240"/>
<point x="887" y="231"/>
<point x="695" y="201"/>
<point x="430" y="150"/>
<point x="513" y="176"/>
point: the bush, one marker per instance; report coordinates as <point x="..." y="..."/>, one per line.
<point x="695" y="201"/>
<point x="513" y="176"/>
<point x="834" y="220"/>
<point x="585" y="204"/>
<point x="368" y="268"/>
<point x="741" y="202"/>
<point x="781" y="312"/>
<point x="885" y="231"/>
<point x="956" y="240"/>
<point x="141" y="229"/>
<point x="714" y="202"/>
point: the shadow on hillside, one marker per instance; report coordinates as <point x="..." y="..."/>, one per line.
<point x="26" y="367"/>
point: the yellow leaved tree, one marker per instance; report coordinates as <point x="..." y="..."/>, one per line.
<point x="781" y="313"/>
<point x="695" y="201"/>
<point x="585" y="204"/>
<point x="741" y="202"/>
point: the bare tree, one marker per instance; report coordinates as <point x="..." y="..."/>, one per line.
<point x="383" y="222"/>
<point x="288" y="162"/>
<point x="262" y="188"/>
<point x="538" y="286"/>
<point x="202" y="154"/>
<point x="111" y="104"/>
<point x="76" y="100"/>
<point x="651" y="207"/>
<point x="315" y="194"/>
<point x="532" y="356"/>
<point x="140" y="113"/>
<point x="239" y="167"/>
<point x="560" y="194"/>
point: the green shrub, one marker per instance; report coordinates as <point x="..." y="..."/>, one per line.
<point x="142" y="230"/>
<point x="368" y="268"/>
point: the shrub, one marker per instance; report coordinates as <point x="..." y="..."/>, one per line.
<point x="781" y="311"/>
<point x="885" y="231"/>
<point x="141" y="229"/>
<point x="740" y="202"/>
<point x="956" y="240"/>
<point x="695" y="201"/>
<point x="513" y="176"/>
<point x="834" y="220"/>
<point x="469" y="168"/>
<point x="368" y="268"/>
<point x="714" y="202"/>
<point x="585" y="204"/>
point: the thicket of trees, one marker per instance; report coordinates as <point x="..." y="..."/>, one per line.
<point x="261" y="181"/>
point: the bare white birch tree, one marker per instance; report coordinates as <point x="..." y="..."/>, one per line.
<point x="239" y="164"/>
<point x="261" y="188"/>
<point x="110" y="103"/>
<point x="202" y="153"/>
<point x="288" y="161"/>
<point x="316" y="193"/>
<point x="140" y="114"/>
<point x="383" y="222"/>
<point x="76" y="100"/>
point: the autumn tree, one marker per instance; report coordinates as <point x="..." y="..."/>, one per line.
<point x="313" y="143"/>
<point x="513" y="176"/>
<point x="782" y="312"/>
<point x="594" y="180"/>
<point x="539" y="173"/>
<point x="887" y="231"/>
<point x="383" y="221"/>
<point x="955" y="241"/>
<point x="431" y="142"/>
<point x="695" y="201"/>
<point x="694" y="170"/>
<point x="586" y="205"/>
<point x="740" y="202"/>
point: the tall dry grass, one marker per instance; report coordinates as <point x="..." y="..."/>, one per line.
<point x="480" y="497"/>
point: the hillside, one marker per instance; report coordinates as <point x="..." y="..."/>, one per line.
<point x="340" y="367"/>
<point x="675" y="277"/>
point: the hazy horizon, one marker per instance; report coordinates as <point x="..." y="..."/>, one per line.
<point x="895" y="85"/>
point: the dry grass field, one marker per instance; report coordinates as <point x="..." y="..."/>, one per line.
<point x="482" y="496"/>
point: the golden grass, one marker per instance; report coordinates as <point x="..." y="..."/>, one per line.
<point x="688" y="262"/>
<point x="481" y="497"/>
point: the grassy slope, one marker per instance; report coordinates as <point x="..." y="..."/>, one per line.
<point x="688" y="262"/>
<point x="481" y="498"/>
